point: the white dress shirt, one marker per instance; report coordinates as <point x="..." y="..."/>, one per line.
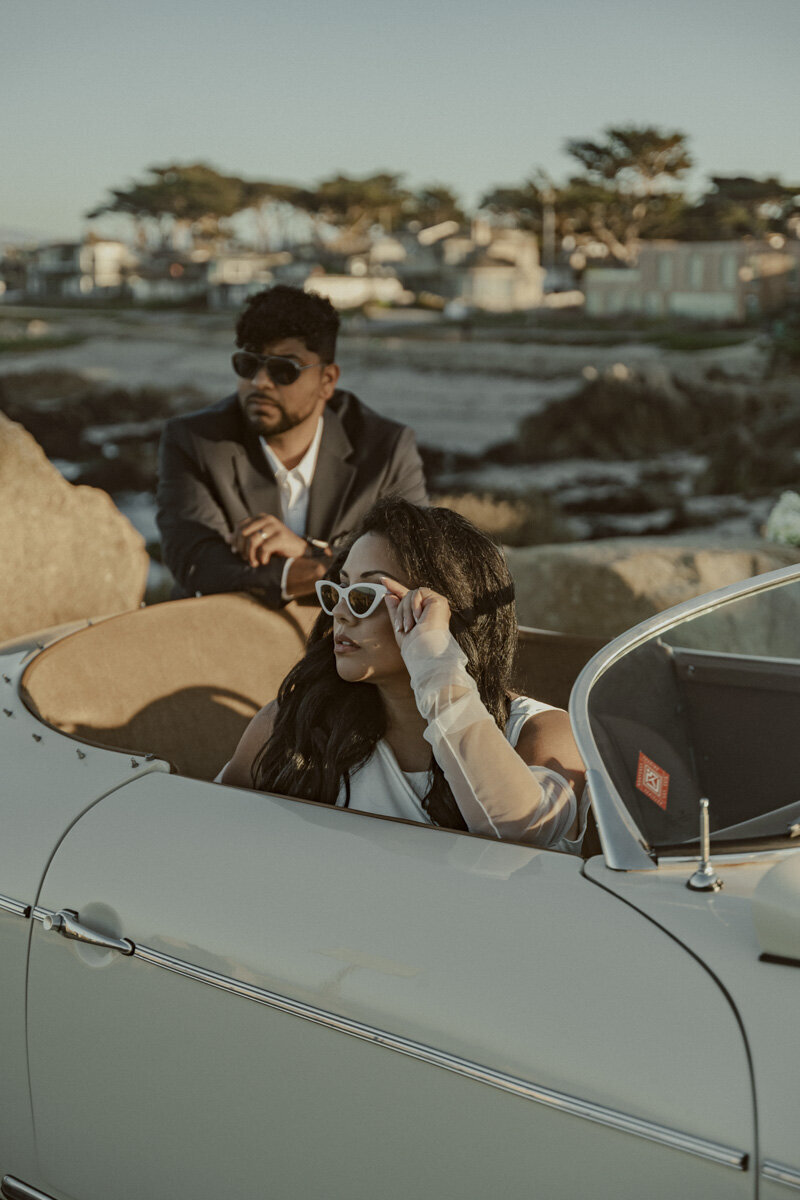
<point x="293" y="489"/>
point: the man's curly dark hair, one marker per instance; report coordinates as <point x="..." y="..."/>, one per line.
<point x="288" y="312"/>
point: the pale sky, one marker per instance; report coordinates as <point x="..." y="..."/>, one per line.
<point x="470" y="94"/>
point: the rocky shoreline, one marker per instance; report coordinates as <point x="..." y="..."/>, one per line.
<point x="617" y="455"/>
<point x="541" y="445"/>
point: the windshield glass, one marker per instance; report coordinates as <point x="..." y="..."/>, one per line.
<point x="708" y="708"/>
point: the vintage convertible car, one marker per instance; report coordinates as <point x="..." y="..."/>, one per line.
<point x="208" y="992"/>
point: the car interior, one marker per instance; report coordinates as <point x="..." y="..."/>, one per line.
<point x="181" y="680"/>
<point x="714" y="724"/>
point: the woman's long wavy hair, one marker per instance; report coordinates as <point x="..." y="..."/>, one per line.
<point x="326" y="728"/>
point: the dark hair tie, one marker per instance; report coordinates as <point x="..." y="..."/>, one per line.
<point x="466" y="616"/>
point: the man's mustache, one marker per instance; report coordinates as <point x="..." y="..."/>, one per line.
<point x="262" y="396"/>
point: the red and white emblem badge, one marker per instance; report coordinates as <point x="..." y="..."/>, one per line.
<point x="652" y="780"/>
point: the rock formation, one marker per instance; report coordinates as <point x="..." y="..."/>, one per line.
<point x="602" y="588"/>
<point x="67" y="552"/>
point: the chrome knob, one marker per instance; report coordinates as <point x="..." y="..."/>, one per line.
<point x="53" y="921"/>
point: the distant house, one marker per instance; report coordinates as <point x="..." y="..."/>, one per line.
<point x="716" y="281"/>
<point x="495" y="270"/>
<point x="13" y="274"/>
<point x="79" y="270"/>
<point x="233" y="275"/>
<point x="505" y="275"/>
<point x="425" y="267"/>
<point x="386" y="249"/>
<point x="351" y="291"/>
<point x="169" y="277"/>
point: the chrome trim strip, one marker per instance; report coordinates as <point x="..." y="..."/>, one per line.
<point x="38" y="913"/>
<point x="622" y="850"/>
<point x="15" y="906"/>
<point x="779" y="1174"/>
<point x="15" y="1189"/>
<point x="724" y="1155"/>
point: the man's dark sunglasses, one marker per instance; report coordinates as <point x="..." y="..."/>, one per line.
<point x="282" y="371"/>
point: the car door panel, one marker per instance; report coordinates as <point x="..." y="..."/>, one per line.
<point x="47" y="782"/>
<point x="371" y="1008"/>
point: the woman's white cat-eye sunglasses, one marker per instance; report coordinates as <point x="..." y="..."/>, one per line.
<point x="361" y="598"/>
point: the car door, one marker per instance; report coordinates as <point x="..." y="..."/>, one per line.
<point x="322" y="1003"/>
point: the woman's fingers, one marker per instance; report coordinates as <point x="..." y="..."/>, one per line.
<point x="393" y="599"/>
<point x="409" y="608"/>
<point x="435" y="610"/>
<point x="401" y="612"/>
<point x="404" y="617"/>
<point x="396" y="590"/>
<point x="392" y="603"/>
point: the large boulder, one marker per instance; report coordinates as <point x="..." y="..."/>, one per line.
<point x="602" y="588"/>
<point x="67" y="552"/>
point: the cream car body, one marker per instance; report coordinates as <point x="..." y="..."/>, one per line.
<point x="298" y="1001"/>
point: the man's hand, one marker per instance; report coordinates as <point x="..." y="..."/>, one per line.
<point x="303" y="574"/>
<point x="257" y="539"/>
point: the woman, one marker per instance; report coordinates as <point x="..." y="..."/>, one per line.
<point x="401" y="705"/>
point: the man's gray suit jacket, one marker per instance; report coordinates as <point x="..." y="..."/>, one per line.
<point x="213" y="473"/>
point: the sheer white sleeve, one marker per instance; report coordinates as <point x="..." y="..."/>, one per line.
<point x="497" y="792"/>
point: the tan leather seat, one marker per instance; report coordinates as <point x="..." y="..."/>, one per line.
<point x="181" y="680"/>
<point x="177" y="680"/>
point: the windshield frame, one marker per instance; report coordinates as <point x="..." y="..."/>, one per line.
<point x="624" y="845"/>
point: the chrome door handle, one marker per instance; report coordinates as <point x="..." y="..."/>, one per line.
<point x="66" y="923"/>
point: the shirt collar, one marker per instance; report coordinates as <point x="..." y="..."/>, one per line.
<point x="307" y="465"/>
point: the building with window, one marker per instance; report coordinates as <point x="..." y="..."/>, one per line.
<point x="79" y="270"/>
<point x="708" y="281"/>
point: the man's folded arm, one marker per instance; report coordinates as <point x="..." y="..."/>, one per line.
<point x="193" y="529"/>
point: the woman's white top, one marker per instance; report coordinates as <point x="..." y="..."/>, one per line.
<point x="497" y="793"/>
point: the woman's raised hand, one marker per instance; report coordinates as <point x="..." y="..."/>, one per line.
<point x="412" y="608"/>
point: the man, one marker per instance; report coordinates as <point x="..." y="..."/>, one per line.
<point x="253" y="491"/>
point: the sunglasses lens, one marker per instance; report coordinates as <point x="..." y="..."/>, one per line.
<point x="361" y="599"/>
<point x="282" y="371"/>
<point x="328" y="597"/>
<point x="245" y="365"/>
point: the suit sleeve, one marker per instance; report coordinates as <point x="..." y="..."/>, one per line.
<point x="193" y="527"/>
<point x="405" y="476"/>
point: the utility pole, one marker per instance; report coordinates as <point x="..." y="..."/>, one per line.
<point x="548" y="194"/>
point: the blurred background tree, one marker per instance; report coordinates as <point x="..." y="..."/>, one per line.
<point x="273" y="206"/>
<point x="740" y="206"/>
<point x="433" y="204"/>
<point x="633" y="160"/>
<point x="626" y="191"/>
<point x="352" y="206"/>
<point x="191" y="198"/>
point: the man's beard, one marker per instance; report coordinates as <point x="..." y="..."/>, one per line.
<point x="268" y="429"/>
<point x="270" y="426"/>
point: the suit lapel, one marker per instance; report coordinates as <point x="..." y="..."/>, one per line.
<point x="332" y="478"/>
<point x="255" y="480"/>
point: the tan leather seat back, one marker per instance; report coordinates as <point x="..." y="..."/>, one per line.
<point x="181" y="680"/>
<point x="548" y="663"/>
<point x="178" y="680"/>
